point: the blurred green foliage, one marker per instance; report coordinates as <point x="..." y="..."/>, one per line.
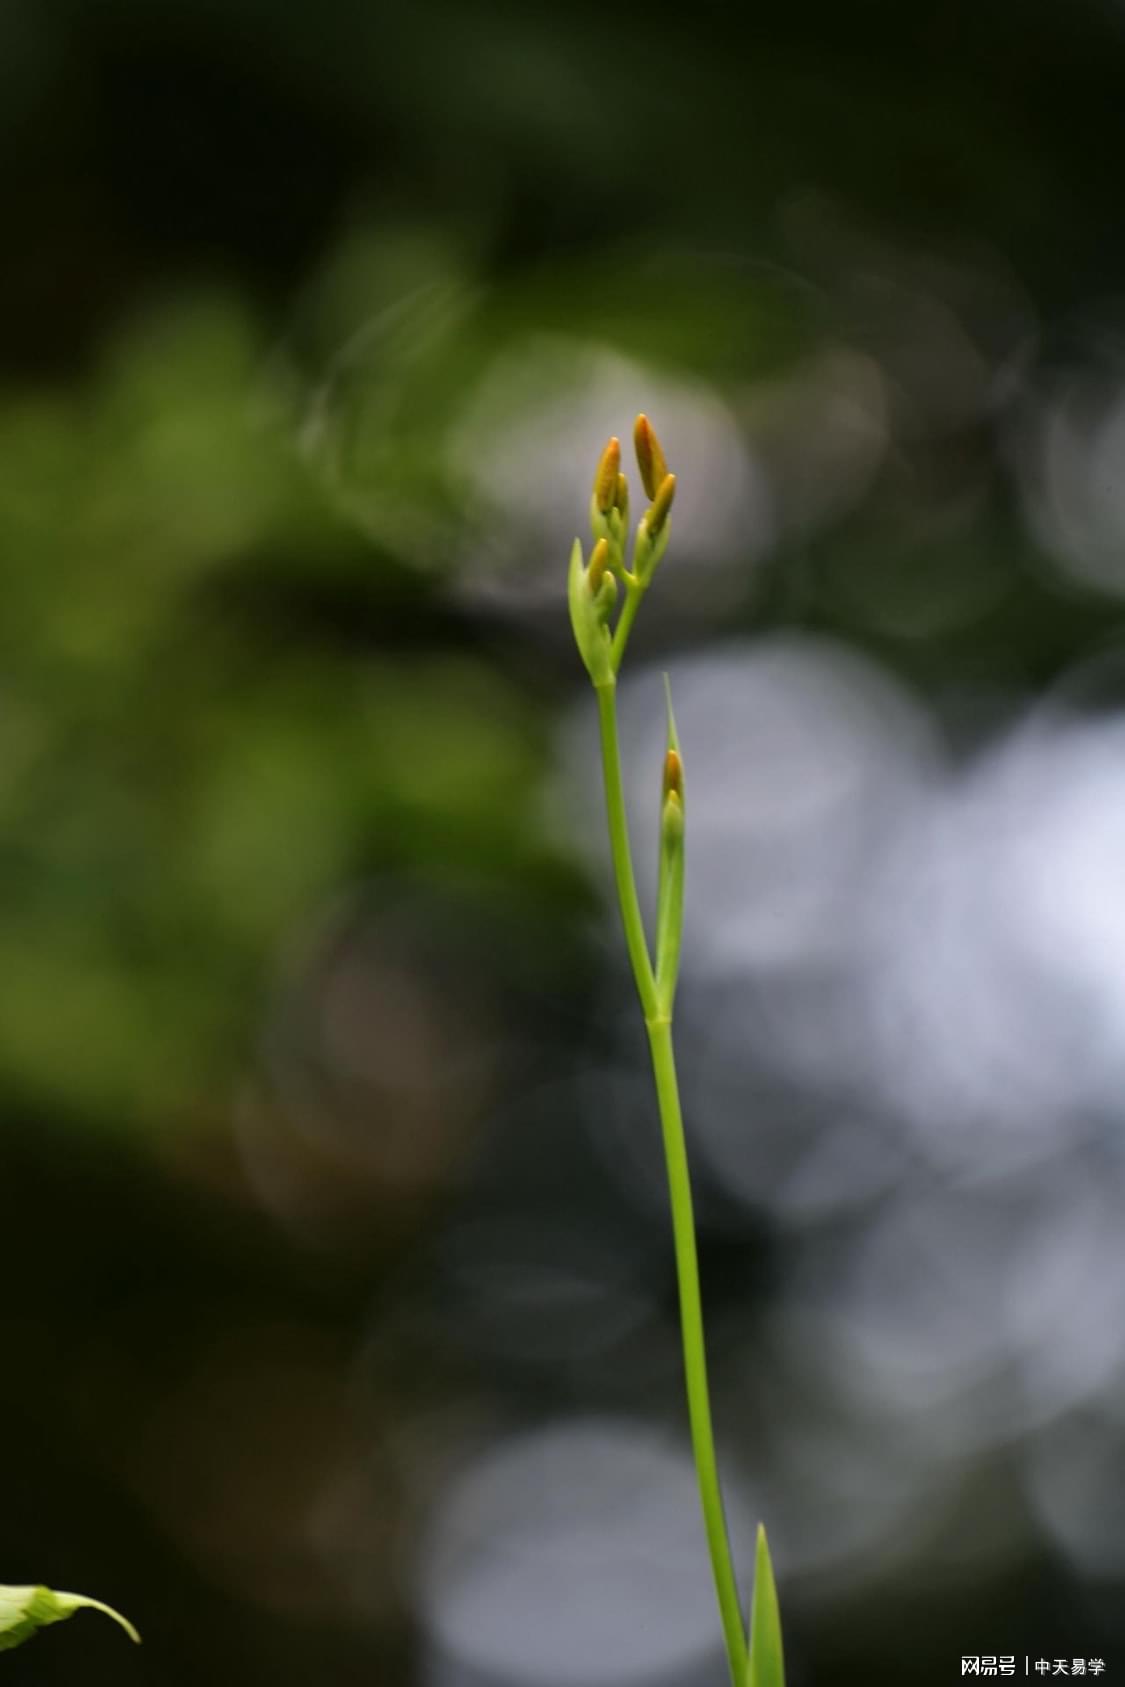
<point x="188" y="768"/>
<point x="227" y="683"/>
<point x="282" y="288"/>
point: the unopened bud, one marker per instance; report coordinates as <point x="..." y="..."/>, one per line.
<point x="621" y="497"/>
<point x="599" y="564"/>
<point x="670" y="886"/>
<point x="672" y="819"/>
<point x="605" y="481"/>
<point x="650" y="455"/>
<point x="607" y="596"/>
<point x="589" y="612"/>
<point x="661" y="505"/>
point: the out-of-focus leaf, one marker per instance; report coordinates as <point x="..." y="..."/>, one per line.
<point x="25" y="1610"/>
<point x="766" y="1666"/>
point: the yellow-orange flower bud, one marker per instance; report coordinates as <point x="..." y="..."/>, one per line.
<point x="605" y="481"/>
<point x="650" y="455"/>
<point x="661" y="505"/>
<point x="599" y="563"/>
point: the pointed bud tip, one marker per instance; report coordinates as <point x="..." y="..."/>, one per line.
<point x="599" y="563"/>
<point x="673" y="736"/>
<point x="650" y="455"/>
<point x="605" y="481"/>
<point x="662" y="504"/>
<point x="672" y="819"/>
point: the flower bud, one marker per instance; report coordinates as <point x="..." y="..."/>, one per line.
<point x="606" y="597"/>
<point x="672" y="821"/>
<point x="661" y="505"/>
<point x="650" y="455"/>
<point x="672" y="813"/>
<point x="670" y="885"/>
<point x="605" y="481"/>
<point x="599" y="564"/>
<point x="589" y="613"/>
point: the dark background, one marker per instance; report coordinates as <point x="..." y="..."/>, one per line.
<point x="338" y="1311"/>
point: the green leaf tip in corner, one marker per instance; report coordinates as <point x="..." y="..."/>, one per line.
<point x="766" y="1667"/>
<point x="25" y="1610"/>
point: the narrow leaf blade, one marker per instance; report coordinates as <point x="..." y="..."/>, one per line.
<point x="25" y="1610"/>
<point x="766" y="1667"/>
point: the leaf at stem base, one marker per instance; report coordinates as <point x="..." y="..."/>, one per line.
<point x="766" y="1666"/>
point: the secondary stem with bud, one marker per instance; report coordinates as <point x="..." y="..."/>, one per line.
<point x="658" y="1023"/>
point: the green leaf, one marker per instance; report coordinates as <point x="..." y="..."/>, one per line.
<point x="25" y="1610"/>
<point x="766" y="1667"/>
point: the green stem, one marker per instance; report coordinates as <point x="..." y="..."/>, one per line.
<point x="634" y="592"/>
<point x="659" y="1027"/>
<point x="695" y="1356"/>
<point x="622" y="856"/>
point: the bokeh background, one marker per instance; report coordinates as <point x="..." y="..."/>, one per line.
<point x="338" y="1314"/>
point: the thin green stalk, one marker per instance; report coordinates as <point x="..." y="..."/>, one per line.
<point x="658" y="1022"/>
<point x="634" y="592"/>
<point x="622" y="856"/>
<point x="695" y="1357"/>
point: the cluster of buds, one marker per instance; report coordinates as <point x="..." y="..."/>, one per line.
<point x="594" y="592"/>
<point x="593" y="589"/>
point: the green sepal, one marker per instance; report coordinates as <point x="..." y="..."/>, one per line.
<point x="766" y="1665"/>
<point x="25" y="1610"/>
<point x="588" y="619"/>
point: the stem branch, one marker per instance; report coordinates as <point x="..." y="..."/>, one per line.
<point x="634" y="592"/>
<point x="619" y="844"/>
